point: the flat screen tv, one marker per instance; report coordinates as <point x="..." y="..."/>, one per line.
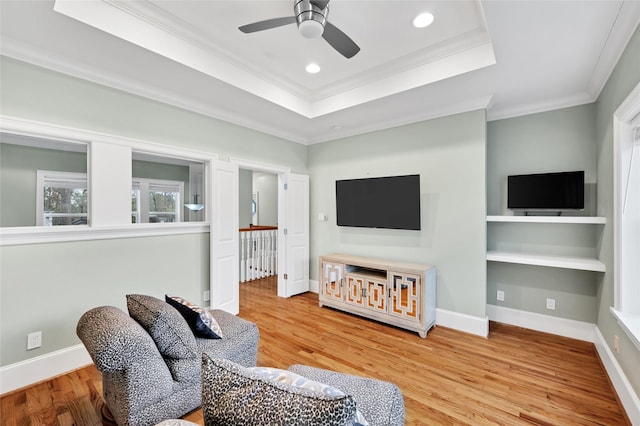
<point x="546" y="191"/>
<point x="391" y="202"/>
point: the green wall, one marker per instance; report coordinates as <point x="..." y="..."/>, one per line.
<point x="18" y="167"/>
<point x="47" y="286"/>
<point x="38" y="94"/>
<point x="623" y="79"/>
<point x="560" y="140"/>
<point x="449" y="155"/>
<point x="153" y="170"/>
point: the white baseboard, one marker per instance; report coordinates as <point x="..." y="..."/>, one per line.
<point x="463" y="322"/>
<point x="627" y="395"/>
<point x="314" y="286"/>
<point x="561" y="326"/>
<point x="34" y="370"/>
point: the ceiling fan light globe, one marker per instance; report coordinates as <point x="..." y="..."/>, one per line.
<point x="311" y="29"/>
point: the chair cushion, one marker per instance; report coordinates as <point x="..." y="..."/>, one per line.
<point x="200" y="320"/>
<point x="167" y="327"/>
<point x="379" y="401"/>
<point x="232" y="394"/>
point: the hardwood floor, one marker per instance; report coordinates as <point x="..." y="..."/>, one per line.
<point x="517" y="376"/>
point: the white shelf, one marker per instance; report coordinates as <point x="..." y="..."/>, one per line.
<point x="581" y="263"/>
<point x="596" y="220"/>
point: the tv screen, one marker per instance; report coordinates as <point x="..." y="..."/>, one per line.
<point x="546" y="191"/>
<point x="391" y="202"/>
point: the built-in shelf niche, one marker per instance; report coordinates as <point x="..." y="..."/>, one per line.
<point x="553" y="261"/>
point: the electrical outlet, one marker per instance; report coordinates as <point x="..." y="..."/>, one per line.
<point x="551" y="304"/>
<point x="206" y="295"/>
<point x="500" y="296"/>
<point x="34" y="340"/>
<point x="616" y="344"/>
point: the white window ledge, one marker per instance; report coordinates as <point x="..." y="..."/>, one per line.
<point x="630" y="323"/>
<point x="55" y="234"/>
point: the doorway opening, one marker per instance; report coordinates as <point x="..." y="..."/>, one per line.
<point x="258" y="221"/>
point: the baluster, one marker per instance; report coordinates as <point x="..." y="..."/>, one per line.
<point x="242" y="258"/>
<point x="269" y="253"/>
<point x="256" y="235"/>
<point x="274" y="242"/>
<point x="261" y="254"/>
<point x="249" y="255"/>
<point x="265" y="253"/>
<point x="275" y="252"/>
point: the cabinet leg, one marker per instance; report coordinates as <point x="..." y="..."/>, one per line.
<point x="422" y="334"/>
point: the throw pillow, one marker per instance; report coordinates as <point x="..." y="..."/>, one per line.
<point x="292" y="379"/>
<point x="234" y="395"/>
<point x="165" y="325"/>
<point x="200" y="320"/>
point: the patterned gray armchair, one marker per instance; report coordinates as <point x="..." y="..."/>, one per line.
<point x="150" y="360"/>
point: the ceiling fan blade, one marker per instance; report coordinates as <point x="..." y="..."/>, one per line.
<point x="267" y="24"/>
<point x="321" y="4"/>
<point x="340" y="41"/>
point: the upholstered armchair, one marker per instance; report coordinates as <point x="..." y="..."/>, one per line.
<point x="150" y="359"/>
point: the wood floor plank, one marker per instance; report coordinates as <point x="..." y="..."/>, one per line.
<point x="515" y="377"/>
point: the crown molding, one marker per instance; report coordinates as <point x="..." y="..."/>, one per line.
<point x="183" y="45"/>
<point x="104" y="16"/>
<point x="627" y="20"/>
<point x="497" y="113"/>
<point x="470" y="105"/>
<point x="41" y="58"/>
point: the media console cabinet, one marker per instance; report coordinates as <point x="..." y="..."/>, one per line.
<point x="397" y="293"/>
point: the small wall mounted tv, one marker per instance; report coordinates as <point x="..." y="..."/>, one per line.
<point x="391" y="202"/>
<point x="546" y="191"/>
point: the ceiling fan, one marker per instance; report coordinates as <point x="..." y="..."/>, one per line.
<point x="311" y="17"/>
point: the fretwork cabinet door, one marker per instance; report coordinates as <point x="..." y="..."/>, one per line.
<point x="404" y="296"/>
<point x="332" y="276"/>
<point x="354" y="290"/>
<point x="376" y="295"/>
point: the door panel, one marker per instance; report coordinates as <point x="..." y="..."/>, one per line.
<point x="297" y="234"/>
<point x="224" y="238"/>
<point x="405" y="295"/>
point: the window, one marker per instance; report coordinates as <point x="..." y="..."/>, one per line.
<point x="156" y="201"/>
<point x="21" y="184"/>
<point x="61" y="198"/>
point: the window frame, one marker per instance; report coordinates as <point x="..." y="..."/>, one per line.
<point x="626" y="120"/>
<point x="10" y="236"/>
<point x="44" y="176"/>
<point x="144" y="185"/>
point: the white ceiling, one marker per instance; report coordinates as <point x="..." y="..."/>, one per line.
<point x="511" y="57"/>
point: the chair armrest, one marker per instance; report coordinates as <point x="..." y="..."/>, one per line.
<point x="114" y="339"/>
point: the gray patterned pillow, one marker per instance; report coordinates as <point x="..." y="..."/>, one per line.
<point x="233" y="395"/>
<point x="166" y="326"/>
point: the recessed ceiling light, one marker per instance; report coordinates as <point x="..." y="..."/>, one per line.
<point x="313" y="68"/>
<point x="423" y="20"/>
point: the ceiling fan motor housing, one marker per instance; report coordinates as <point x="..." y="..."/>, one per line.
<point x="310" y="18"/>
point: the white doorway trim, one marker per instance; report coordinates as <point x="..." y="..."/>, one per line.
<point x="282" y="173"/>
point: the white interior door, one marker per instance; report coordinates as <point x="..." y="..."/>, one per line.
<point x="296" y="236"/>
<point x="224" y="237"/>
